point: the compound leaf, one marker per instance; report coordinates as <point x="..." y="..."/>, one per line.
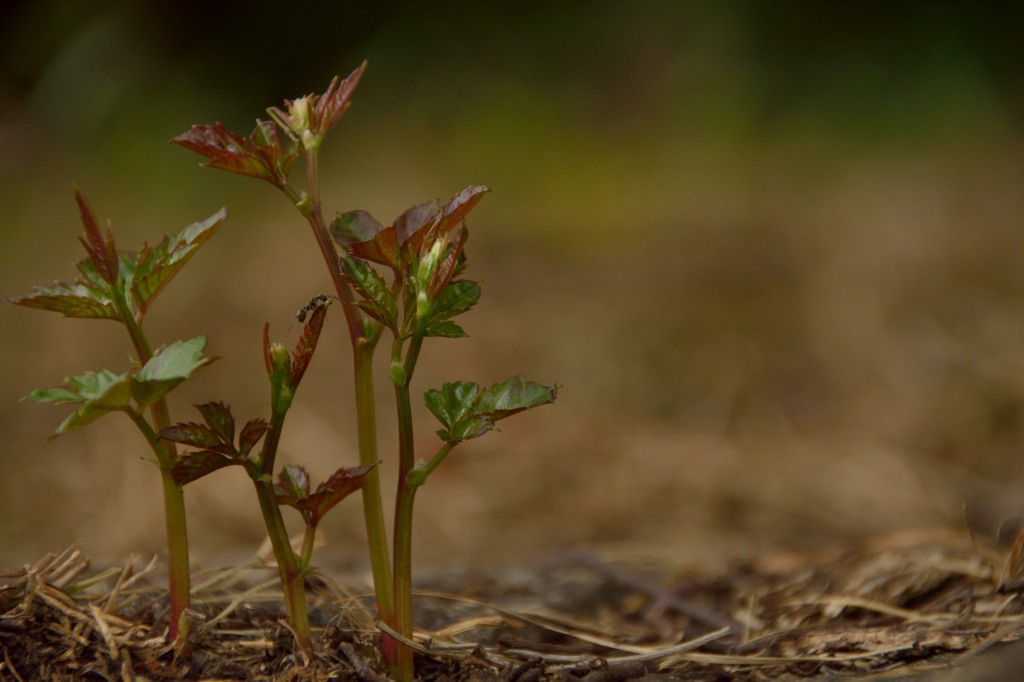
<point x="262" y="155"/>
<point x="378" y="301"/>
<point x="98" y="393"/>
<point x="197" y="464"/>
<point x="193" y="435"/>
<point x="253" y="430"/>
<point x="467" y="412"/>
<point x="292" y="486"/>
<point x="455" y="299"/>
<point x="167" y="368"/>
<point x="220" y="420"/>
<point x="153" y="267"/>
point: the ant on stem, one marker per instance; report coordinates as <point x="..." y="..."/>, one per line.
<point x="314" y="303"/>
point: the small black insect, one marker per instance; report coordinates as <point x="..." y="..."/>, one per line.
<point x="313" y="304"/>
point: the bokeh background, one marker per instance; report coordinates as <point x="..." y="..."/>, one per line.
<point x="772" y="251"/>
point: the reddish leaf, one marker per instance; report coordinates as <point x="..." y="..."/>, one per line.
<point x="262" y="155"/>
<point x="364" y="237"/>
<point x="220" y="420"/>
<point x="311" y="117"/>
<point x="336" y="488"/>
<point x="381" y="249"/>
<point x="250" y="435"/>
<point x="113" y="285"/>
<point x="449" y="264"/>
<point x="306" y="345"/>
<point x="197" y="464"/>
<point x="266" y="348"/>
<point x="102" y="252"/>
<point x="292" y="487"/>
<point x="461" y="204"/>
<point x="334" y="102"/>
<point x="415" y="222"/>
<point x="192" y="434"/>
<point x="354" y="226"/>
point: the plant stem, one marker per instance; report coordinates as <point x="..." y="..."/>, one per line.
<point x="403" y="509"/>
<point x="179" y="586"/>
<point x="315" y="217"/>
<point x="436" y="460"/>
<point x="178" y="576"/>
<point x="373" y="507"/>
<point x="364" y="343"/>
<point x="403" y="577"/>
<point x="287" y="564"/>
<point x="308" y="540"/>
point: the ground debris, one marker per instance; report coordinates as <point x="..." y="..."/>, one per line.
<point x="895" y="607"/>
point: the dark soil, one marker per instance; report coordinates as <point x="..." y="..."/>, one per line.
<point x="935" y="603"/>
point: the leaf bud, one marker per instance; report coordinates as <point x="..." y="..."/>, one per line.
<point x="417" y="476"/>
<point x="423" y="305"/>
<point x="281" y="392"/>
<point x="398" y="375"/>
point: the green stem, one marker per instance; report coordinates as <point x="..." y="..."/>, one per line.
<point x="436" y="460"/>
<point x="308" y="540"/>
<point x="403" y="577"/>
<point x="287" y="563"/>
<point x="373" y="507"/>
<point x="403" y="510"/>
<point x="364" y="343"/>
<point x="179" y="587"/>
<point x="178" y="576"/>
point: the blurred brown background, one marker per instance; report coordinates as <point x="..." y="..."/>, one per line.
<point x="771" y="250"/>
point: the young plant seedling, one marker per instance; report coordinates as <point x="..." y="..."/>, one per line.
<point x="216" y="449"/>
<point x="422" y="254"/>
<point x="121" y="286"/>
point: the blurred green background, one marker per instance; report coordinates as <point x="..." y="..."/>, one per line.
<point x="771" y="250"/>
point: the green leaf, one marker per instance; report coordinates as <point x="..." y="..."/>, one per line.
<point x="378" y="301"/>
<point x="154" y="267"/>
<point x="452" y="405"/>
<point x="167" y="368"/>
<point x="445" y="329"/>
<point x="354" y="226"/>
<point x="376" y="312"/>
<point x="515" y="395"/>
<point x="98" y="392"/>
<point x="197" y="464"/>
<point x="455" y="299"/>
<point x="113" y="284"/>
<point x="467" y="412"/>
<point x="71" y="300"/>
